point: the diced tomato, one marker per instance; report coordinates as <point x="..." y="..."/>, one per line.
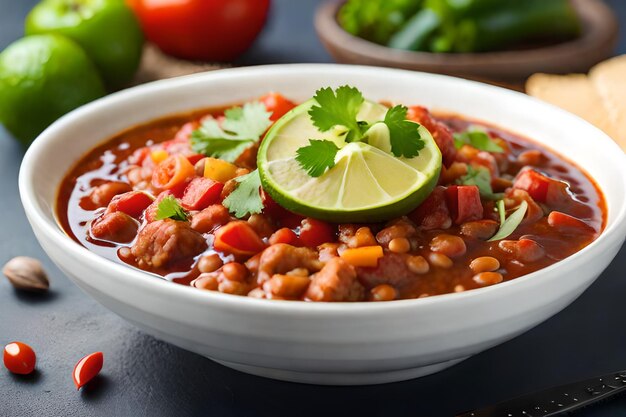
<point x="277" y="104"/>
<point x="441" y="133"/>
<point x="464" y="203"/>
<point x="433" y="213"/>
<point x="132" y="203"/>
<point x="172" y="172"/>
<point x="201" y="193"/>
<point x="564" y="223"/>
<point x="238" y="238"/>
<point x="184" y="133"/>
<point x="284" y="235"/>
<point x="194" y="158"/>
<point x="283" y="216"/>
<point x="315" y="232"/>
<point x="534" y="183"/>
<point x="554" y="193"/>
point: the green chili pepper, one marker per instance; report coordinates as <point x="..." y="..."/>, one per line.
<point x="416" y="32"/>
<point x="527" y="21"/>
<point x="482" y="25"/>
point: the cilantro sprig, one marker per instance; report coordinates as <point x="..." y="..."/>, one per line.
<point x="478" y="139"/>
<point x="246" y="198"/>
<point x="481" y="178"/>
<point x="241" y="127"/>
<point x="341" y="108"/>
<point x="170" y="208"/>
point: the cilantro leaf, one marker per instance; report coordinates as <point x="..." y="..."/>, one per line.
<point x="246" y="199"/>
<point x="249" y="121"/>
<point x="509" y="225"/>
<point x="481" y="178"/>
<point x="242" y="126"/>
<point x="337" y="108"/>
<point x="405" y="138"/>
<point x="169" y="208"/>
<point x="317" y="156"/>
<point x="478" y="139"/>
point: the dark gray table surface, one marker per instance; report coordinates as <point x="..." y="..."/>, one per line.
<point x="145" y="377"/>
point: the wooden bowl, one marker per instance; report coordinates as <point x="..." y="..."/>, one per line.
<point x="597" y="42"/>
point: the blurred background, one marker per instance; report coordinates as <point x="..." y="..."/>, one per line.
<point x="498" y="41"/>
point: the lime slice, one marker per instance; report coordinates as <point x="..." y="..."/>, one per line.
<point x="367" y="183"/>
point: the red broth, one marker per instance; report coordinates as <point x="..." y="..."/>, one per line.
<point x="438" y="248"/>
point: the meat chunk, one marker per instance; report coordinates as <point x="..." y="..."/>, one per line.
<point x="392" y="269"/>
<point x="165" y="242"/>
<point x="210" y="218"/>
<point x="337" y="281"/>
<point x="282" y="258"/>
<point x="116" y="227"/>
<point x="103" y="194"/>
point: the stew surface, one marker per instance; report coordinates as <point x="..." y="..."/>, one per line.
<point x="111" y="203"/>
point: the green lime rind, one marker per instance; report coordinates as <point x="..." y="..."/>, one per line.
<point x="42" y="77"/>
<point x="376" y="185"/>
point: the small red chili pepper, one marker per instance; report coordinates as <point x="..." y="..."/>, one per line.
<point x="19" y="358"/>
<point x="87" y="368"/>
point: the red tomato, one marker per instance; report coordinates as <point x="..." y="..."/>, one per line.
<point x="132" y="203"/>
<point x="315" y="232"/>
<point x="238" y="238"/>
<point x="534" y="183"/>
<point x="464" y="203"/>
<point x="19" y="358"/>
<point x="87" y="368"/>
<point x="212" y="30"/>
<point x="173" y="171"/>
<point x="433" y="213"/>
<point x="441" y="133"/>
<point x="284" y="235"/>
<point x="277" y="104"/>
<point x="201" y="193"/>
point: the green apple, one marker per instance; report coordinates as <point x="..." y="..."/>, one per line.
<point x="106" y="29"/>
<point x="43" y="77"/>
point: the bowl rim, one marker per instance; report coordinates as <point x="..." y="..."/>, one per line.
<point x="330" y="31"/>
<point x="53" y="231"/>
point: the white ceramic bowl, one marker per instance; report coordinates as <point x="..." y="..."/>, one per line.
<point x="361" y="343"/>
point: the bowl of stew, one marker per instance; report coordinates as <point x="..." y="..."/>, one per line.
<point x="127" y="203"/>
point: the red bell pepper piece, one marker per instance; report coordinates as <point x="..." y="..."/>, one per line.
<point x="201" y="193"/>
<point x="277" y="104"/>
<point x="534" y="183"/>
<point x="132" y="203"/>
<point x="238" y="238"/>
<point x="315" y="232"/>
<point x="464" y="203"/>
